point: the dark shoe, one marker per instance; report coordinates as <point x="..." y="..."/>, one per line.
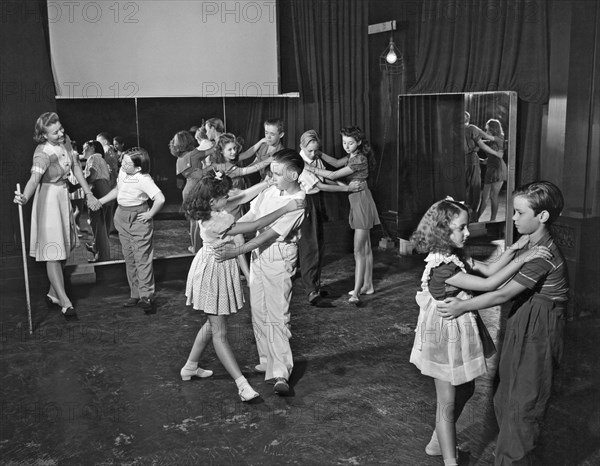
<point x="313" y="297"/>
<point x="145" y="303"/>
<point x="94" y="259"/>
<point x="69" y="314"/>
<point x="91" y="247"/>
<point x="131" y="302"/>
<point x="281" y="386"/>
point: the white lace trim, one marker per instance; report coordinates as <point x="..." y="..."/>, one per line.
<point x="434" y="259"/>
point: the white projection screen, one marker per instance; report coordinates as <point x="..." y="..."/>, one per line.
<point x="163" y="48"/>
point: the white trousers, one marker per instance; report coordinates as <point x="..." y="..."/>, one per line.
<point x="271" y="273"/>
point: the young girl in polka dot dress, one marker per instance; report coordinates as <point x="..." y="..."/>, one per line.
<point x="214" y="287"/>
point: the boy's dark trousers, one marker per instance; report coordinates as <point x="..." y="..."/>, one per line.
<point x="310" y="246"/>
<point x="531" y="351"/>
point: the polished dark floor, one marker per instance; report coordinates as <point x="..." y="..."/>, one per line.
<point x="106" y="390"/>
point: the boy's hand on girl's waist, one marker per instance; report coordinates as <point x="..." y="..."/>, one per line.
<point x="225" y="251"/>
<point x="450" y="308"/>
<point x="357" y="185"/>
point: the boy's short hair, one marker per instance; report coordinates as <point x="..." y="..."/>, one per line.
<point x="139" y="157"/>
<point x="216" y="123"/>
<point x="105" y="135"/>
<point x="309" y="136"/>
<point x="291" y="159"/>
<point x="276" y="122"/>
<point x="542" y="195"/>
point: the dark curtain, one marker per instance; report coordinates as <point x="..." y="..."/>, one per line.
<point x="332" y="63"/>
<point x="331" y="53"/>
<point x="489" y="45"/>
<point x="27" y="92"/>
<point x="431" y="161"/>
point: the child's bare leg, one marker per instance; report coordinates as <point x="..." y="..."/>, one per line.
<point x="485" y="193"/>
<point x="225" y="355"/>
<point x="367" y="287"/>
<point x="241" y="259"/>
<point x="191" y="368"/>
<point x="360" y="259"/>
<point x="445" y="423"/>
<point x="221" y="344"/>
<point x="495" y="191"/>
<point x="202" y="339"/>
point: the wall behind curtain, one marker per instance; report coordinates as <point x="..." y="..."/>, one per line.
<point x="489" y="45"/>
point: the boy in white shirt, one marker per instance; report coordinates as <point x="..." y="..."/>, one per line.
<point x="133" y="221"/>
<point x="273" y="264"/>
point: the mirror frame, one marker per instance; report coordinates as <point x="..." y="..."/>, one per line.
<point x="510" y="151"/>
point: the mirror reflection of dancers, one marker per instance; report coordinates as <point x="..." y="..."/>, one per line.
<point x="496" y="172"/>
<point x="474" y="140"/>
<point x="53" y="232"/>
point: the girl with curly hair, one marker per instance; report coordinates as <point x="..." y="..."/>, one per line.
<point x="212" y="286"/>
<point x="453" y="352"/>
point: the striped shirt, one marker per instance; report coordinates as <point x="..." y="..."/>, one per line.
<point x="547" y="278"/>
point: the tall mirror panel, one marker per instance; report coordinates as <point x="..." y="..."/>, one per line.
<point x="460" y="145"/>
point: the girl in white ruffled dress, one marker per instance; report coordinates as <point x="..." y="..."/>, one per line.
<point x="453" y="351"/>
<point x="214" y="287"/>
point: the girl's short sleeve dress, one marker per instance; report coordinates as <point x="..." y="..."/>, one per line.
<point x="363" y="211"/>
<point x="214" y="287"/>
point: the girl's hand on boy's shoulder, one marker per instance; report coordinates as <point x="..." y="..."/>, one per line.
<point x="536" y="252"/>
<point x="520" y="244"/>
<point x="295" y="204"/>
<point x="450" y="308"/>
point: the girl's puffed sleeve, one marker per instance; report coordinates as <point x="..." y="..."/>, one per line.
<point x="360" y="166"/>
<point x="221" y="223"/>
<point x="41" y="161"/>
<point x="358" y="163"/>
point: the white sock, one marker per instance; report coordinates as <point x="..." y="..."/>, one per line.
<point x="241" y="381"/>
<point x="191" y="365"/>
<point x="450" y="462"/>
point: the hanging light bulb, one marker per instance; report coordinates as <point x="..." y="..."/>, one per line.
<point x="391" y="57"/>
